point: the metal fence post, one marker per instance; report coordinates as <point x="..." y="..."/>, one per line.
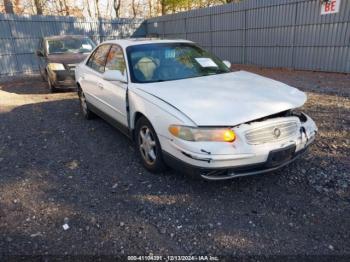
<point x="211" y="32"/>
<point x="100" y="29"/>
<point x="294" y="37"/>
<point x="13" y="45"/>
<point x="185" y="27"/>
<point x="244" y="51"/>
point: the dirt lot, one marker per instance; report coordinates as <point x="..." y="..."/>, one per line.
<point x="57" y="168"/>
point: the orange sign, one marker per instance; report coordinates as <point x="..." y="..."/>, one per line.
<point x="330" y="7"/>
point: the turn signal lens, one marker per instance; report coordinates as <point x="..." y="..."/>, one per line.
<point x="203" y="134"/>
<point x="229" y="136"/>
<point x="174" y="130"/>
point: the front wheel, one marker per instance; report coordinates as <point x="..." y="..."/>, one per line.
<point x="148" y="146"/>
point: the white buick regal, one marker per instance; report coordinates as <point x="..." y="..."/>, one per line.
<point x="184" y="108"/>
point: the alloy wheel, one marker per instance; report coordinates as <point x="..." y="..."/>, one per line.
<point x="147" y="145"/>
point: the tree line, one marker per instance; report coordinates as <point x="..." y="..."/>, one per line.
<point x="105" y="8"/>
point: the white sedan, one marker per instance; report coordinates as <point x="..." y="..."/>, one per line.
<point x="184" y="108"/>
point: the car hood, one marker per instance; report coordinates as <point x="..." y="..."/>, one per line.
<point x="66" y="58"/>
<point x="226" y="99"/>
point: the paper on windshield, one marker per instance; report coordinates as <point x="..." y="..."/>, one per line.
<point x="170" y="53"/>
<point x="206" y="62"/>
<point x="87" y="46"/>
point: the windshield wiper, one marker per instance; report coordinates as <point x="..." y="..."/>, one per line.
<point x="221" y="71"/>
<point x="217" y="72"/>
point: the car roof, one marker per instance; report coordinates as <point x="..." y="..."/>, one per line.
<point x="139" y="41"/>
<point x="57" y="37"/>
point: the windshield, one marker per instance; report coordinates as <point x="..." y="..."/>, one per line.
<point x="171" y="61"/>
<point x="70" y="45"/>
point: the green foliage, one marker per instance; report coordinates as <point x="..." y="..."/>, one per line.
<point x="173" y="6"/>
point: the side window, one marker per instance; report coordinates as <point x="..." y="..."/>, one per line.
<point x="115" y="60"/>
<point x="97" y="60"/>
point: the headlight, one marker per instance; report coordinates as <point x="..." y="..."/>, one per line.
<point x="56" y="66"/>
<point x="203" y="134"/>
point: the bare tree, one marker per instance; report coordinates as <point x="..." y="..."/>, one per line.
<point x="97" y="8"/>
<point x="163" y="6"/>
<point x="133" y="7"/>
<point x="63" y="7"/>
<point x="89" y="8"/>
<point x="17" y="7"/>
<point x="108" y="10"/>
<point x="66" y="7"/>
<point x="116" y="6"/>
<point x="150" y="8"/>
<point x="60" y="7"/>
<point x="38" y="7"/>
<point x="8" y="6"/>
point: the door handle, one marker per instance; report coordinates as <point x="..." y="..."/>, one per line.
<point x="100" y="85"/>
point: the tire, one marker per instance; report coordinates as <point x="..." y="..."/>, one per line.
<point x="87" y="113"/>
<point x="51" y="86"/>
<point x="148" y="146"/>
<point x="42" y="75"/>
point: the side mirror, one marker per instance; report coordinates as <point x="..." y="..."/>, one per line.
<point x="227" y="63"/>
<point x="39" y="53"/>
<point x="114" y="75"/>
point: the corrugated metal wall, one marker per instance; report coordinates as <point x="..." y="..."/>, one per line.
<point x="272" y="33"/>
<point x="19" y="36"/>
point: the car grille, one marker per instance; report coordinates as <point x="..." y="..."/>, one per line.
<point x="272" y="132"/>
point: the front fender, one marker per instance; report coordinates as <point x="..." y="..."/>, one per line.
<point x="159" y="113"/>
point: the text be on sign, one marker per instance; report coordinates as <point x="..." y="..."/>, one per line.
<point x="330" y="7"/>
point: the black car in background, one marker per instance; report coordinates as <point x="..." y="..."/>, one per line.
<point x="58" y="57"/>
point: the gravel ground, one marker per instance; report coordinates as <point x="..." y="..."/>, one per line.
<point x="58" y="169"/>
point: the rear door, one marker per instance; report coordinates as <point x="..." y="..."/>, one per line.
<point x="91" y="78"/>
<point x="113" y="93"/>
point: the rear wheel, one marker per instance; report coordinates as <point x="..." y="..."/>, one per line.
<point x="42" y="74"/>
<point x="148" y="146"/>
<point x="51" y="86"/>
<point x="83" y="105"/>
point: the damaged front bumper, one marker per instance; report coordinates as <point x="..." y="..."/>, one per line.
<point x="219" y="161"/>
<point x="62" y="79"/>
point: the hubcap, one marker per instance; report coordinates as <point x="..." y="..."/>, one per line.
<point x="147" y="145"/>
